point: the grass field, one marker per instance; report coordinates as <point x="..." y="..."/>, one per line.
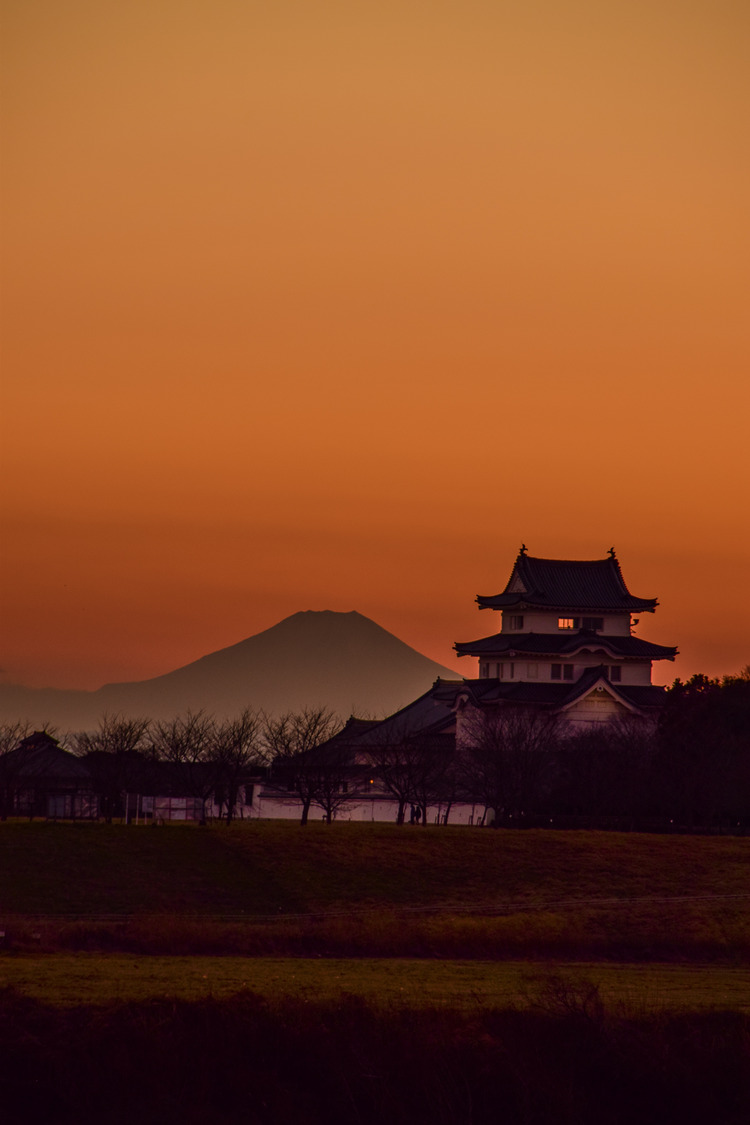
<point x="267" y="889"/>
<point x="415" y="983"/>
<point x="271" y="867"/>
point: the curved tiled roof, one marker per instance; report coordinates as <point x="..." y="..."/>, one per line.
<point x="594" y="584"/>
<point x="557" y="695"/>
<point x="557" y="644"/>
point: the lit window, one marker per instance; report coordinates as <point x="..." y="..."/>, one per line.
<point x="567" y="622"/>
<point x="567" y="671"/>
<point x="516" y="622"/>
<point x="615" y="673"/>
<point x="593" y="624"/>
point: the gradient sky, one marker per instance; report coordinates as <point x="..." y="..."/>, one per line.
<point x="332" y="305"/>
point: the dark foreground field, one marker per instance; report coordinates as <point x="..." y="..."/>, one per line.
<point x="367" y="973"/>
<point x="243" y="1059"/>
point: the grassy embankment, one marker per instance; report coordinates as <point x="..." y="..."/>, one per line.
<point x="271" y="889"/>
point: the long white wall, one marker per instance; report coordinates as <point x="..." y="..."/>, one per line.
<point x="378" y="809"/>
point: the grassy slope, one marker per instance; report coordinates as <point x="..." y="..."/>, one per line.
<point x="267" y="868"/>
<point x="378" y="890"/>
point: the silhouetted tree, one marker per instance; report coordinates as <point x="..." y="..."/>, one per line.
<point x="330" y="777"/>
<point x="238" y="752"/>
<point x="605" y="770"/>
<point x="115" y="755"/>
<point x="290" y="742"/>
<point x="188" y="744"/>
<point x="507" y="753"/>
<point x="416" y="767"/>
<point x="704" y="750"/>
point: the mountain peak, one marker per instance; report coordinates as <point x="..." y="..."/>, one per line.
<point x="340" y="660"/>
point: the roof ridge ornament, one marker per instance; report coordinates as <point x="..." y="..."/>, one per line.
<point x="523" y="549"/>
<point x="611" y="553"/>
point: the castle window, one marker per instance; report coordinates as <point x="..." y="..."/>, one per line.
<point x="593" y="624"/>
<point x="516" y="622"/>
<point x="568" y="622"/>
<point x="567" y="671"/>
<point x="615" y="673"/>
<point x="555" y="671"/>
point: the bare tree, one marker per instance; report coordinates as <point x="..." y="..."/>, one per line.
<point x="291" y="742"/>
<point x="415" y="767"/>
<point x="506" y="754"/>
<point x="330" y="777"/>
<point x="584" y="775"/>
<point x="434" y="774"/>
<point x="187" y="744"/>
<point x="237" y="753"/>
<point x="392" y="755"/>
<point x="115" y="757"/>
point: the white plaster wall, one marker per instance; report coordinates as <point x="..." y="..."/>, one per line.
<point x="637" y="673"/>
<point x="615" y="624"/>
<point x="632" y="673"/>
<point x="378" y="809"/>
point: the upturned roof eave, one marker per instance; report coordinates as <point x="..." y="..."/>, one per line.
<point x="528" y="601"/>
<point x="499" y="645"/>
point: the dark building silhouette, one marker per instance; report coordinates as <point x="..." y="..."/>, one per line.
<point x="41" y="779"/>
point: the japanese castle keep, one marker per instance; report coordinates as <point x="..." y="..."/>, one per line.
<point x="566" y="642"/>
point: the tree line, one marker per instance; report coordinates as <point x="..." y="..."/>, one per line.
<point x="194" y="755"/>
<point x="690" y="768"/>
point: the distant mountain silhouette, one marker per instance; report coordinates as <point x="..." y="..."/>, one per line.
<point x="341" y="660"/>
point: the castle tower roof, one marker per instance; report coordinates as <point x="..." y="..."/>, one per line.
<point x="591" y="584"/>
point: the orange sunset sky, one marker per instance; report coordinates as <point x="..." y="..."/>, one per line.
<point x="331" y="305"/>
